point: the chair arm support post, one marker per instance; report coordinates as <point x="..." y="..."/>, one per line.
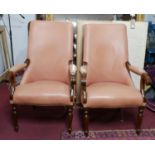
<point x="145" y="79"/>
<point x="83" y="72"/>
<point x="19" y="67"/>
<point x="72" y="74"/>
<point x="13" y="71"/>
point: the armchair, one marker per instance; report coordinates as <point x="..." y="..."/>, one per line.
<point x="105" y="73"/>
<point x="49" y="72"/>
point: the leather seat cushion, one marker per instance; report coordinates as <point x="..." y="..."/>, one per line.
<point x="42" y="93"/>
<point x="112" y="95"/>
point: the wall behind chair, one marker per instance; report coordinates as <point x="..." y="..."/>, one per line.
<point x="19" y="34"/>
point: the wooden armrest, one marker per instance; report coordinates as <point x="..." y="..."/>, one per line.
<point x="72" y="72"/>
<point x="83" y="71"/>
<point x="145" y="78"/>
<point x="135" y="69"/>
<point x="11" y="76"/>
<point x="19" y="67"/>
<point x="83" y="96"/>
<point x="72" y="68"/>
<point x="144" y="75"/>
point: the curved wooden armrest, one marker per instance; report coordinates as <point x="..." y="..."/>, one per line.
<point x="19" y="67"/>
<point x="145" y="78"/>
<point x="72" y="68"/>
<point x="72" y="74"/>
<point x="141" y="72"/>
<point x="83" y="72"/>
<point x="11" y="76"/>
<point x="84" y="96"/>
<point x="135" y="69"/>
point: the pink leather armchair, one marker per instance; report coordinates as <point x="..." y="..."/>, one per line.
<point x="105" y="72"/>
<point x="49" y="77"/>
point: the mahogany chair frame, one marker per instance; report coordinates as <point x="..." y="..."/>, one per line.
<point x="13" y="72"/>
<point x="145" y="80"/>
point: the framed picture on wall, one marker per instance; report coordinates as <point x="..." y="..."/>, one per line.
<point x="48" y="17"/>
<point x="5" y="62"/>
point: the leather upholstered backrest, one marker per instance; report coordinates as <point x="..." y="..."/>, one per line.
<point x="50" y="48"/>
<point x="106" y="52"/>
<point x="80" y="25"/>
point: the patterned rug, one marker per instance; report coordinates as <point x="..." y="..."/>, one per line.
<point x="146" y="134"/>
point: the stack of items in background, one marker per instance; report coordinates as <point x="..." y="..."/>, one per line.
<point x="150" y="66"/>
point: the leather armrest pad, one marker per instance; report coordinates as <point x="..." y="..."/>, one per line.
<point x="72" y="69"/>
<point x="83" y="70"/>
<point x="135" y="69"/>
<point x="17" y="68"/>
